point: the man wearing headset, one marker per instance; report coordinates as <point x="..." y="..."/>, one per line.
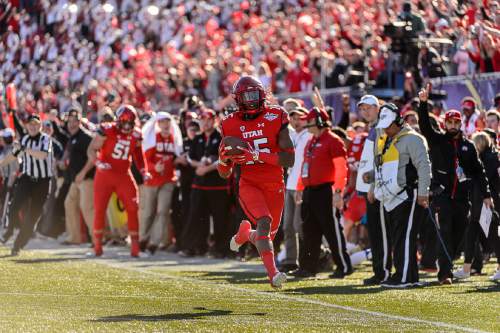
<point x="323" y="179"/>
<point x="402" y="180"/>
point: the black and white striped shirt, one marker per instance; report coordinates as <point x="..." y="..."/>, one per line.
<point x="33" y="167"/>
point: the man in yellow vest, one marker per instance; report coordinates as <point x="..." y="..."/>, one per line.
<point x="402" y="180"/>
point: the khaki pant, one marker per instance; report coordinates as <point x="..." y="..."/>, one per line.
<point x="292" y="228"/>
<point x="154" y="212"/>
<point x="80" y="198"/>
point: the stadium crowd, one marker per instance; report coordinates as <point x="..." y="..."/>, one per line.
<point x="68" y="67"/>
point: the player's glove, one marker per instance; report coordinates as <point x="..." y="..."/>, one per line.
<point x="247" y="155"/>
<point x="224" y="159"/>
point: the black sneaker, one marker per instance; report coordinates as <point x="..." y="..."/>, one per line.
<point x="143" y="245"/>
<point x="445" y="281"/>
<point x="395" y="284"/>
<point x="302" y="274"/>
<point x="5" y="237"/>
<point x="287" y="267"/>
<point x="372" y="281"/>
<point x="187" y="253"/>
<point x="152" y="248"/>
<point x="338" y="274"/>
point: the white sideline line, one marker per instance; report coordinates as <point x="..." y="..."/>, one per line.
<point x="101" y="296"/>
<point x="294" y="298"/>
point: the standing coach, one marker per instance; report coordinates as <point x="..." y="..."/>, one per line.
<point x="376" y="225"/>
<point x="33" y="185"/>
<point x="402" y="180"/>
<point x="323" y="178"/>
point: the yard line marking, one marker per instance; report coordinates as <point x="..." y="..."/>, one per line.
<point x="291" y="298"/>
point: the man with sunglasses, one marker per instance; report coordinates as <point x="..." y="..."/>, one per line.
<point x="111" y="151"/>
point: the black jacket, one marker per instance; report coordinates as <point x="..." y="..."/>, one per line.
<point x="446" y="154"/>
<point x="489" y="157"/>
<point x="204" y="147"/>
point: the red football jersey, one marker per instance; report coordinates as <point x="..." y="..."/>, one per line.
<point x="163" y="152"/>
<point x="355" y="150"/>
<point x="116" y="152"/>
<point x="262" y="133"/>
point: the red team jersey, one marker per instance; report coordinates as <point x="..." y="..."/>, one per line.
<point x="355" y="150"/>
<point x="116" y="152"/>
<point x="163" y="152"/>
<point x="262" y="134"/>
<point x="356" y="206"/>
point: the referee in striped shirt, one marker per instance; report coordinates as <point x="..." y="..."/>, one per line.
<point x="32" y="187"/>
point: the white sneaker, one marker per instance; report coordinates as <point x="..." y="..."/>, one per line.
<point x="461" y="274"/>
<point x="496" y="276"/>
<point x="278" y="280"/>
<point x="233" y="245"/>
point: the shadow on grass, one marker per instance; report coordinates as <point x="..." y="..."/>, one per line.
<point x="335" y="290"/>
<point x="200" y="313"/>
<point x="232" y="277"/>
<point x="493" y="288"/>
<point x="46" y="260"/>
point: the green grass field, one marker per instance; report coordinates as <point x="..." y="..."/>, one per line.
<point x="62" y="291"/>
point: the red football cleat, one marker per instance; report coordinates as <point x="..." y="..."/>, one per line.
<point x="241" y="236"/>
<point x="134" y="249"/>
<point x="98" y="248"/>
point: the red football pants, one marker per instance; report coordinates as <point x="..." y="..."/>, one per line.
<point x="107" y="182"/>
<point x="262" y="200"/>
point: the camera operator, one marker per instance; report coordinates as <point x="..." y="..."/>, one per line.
<point x="455" y="166"/>
<point x="402" y="180"/>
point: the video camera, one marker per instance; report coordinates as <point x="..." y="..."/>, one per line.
<point x="402" y="35"/>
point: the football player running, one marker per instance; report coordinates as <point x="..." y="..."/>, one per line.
<point x="264" y="128"/>
<point x="111" y="152"/>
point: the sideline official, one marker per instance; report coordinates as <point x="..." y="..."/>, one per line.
<point x="402" y="180"/>
<point x="32" y="187"/>
<point x="323" y="178"/>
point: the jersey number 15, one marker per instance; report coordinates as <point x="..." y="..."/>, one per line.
<point x="257" y="144"/>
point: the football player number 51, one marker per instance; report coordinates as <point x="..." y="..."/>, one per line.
<point x="257" y="144"/>
<point x="121" y="151"/>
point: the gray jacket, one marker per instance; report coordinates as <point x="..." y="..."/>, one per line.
<point x="413" y="170"/>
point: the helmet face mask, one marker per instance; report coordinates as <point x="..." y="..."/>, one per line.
<point x="250" y="100"/>
<point x="249" y="94"/>
<point x="126" y="117"/>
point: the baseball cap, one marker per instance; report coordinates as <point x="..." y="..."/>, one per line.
<point x="163" y="115"/>
<point x="33" y="117"/>
<point x="387" y="116"/>
<point x="453" y="114"/>
<point x="314" y="113"/>
<point x="468" y="103"/>
<point x="207" y="113"/>
<point x="299" y="110"/>
<point x="369" y="100"/>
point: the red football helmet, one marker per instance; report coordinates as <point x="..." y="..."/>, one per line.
<point x="126" y="117"/>
<point x="249" y="94"/>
